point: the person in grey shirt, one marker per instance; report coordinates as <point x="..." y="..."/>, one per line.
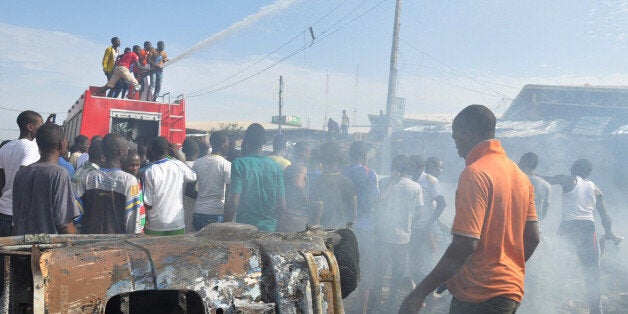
<point x="42" y="196"/>
<point x="542" y="189"/>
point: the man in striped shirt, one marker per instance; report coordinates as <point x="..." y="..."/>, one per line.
<point x="112" y="198"/>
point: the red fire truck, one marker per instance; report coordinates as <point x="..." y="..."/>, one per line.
<point x="93" y="115"/>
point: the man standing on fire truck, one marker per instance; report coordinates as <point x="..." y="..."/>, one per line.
<point x="121" y="71"/>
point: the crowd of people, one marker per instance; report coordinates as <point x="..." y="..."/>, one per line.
<point x="104" y="187"/>
<point x="141" y="69"/>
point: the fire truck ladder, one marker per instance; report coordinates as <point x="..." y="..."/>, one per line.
<point x="168" y="116"/>
<point x="317" y="276"/>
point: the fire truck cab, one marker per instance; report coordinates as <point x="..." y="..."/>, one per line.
<point x="93" y="115"/>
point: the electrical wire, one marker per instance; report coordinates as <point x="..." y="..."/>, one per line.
<point x="20" y="110"/>
<point x="457" y="72"/>
<point x="191" y="94"/>
<point x="321" y="37"/>
<point x="447" y="71"/>
<point x="455" y="85"/>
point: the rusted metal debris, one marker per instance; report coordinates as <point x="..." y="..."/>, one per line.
<point x="224" y="268"/>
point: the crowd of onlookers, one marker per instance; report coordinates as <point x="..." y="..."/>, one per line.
<point x="99" y="185"/>
<point x="139" y="68"/>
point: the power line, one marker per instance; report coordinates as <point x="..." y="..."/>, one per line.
<point x="455" y="85"/>
<point x="245" y="68"/>
<point x="300" y="49"/>
<point x="447" y="71"/>
<point x="20" y="110"/>
<point x="453" y="70"/>
<point x="192" y="94"/>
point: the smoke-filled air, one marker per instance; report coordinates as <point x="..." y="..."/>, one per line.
<point x="329" y="156"/>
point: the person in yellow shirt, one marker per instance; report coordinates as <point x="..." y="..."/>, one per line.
<point x="109" y="60"/>
<point x="279" y="146"/>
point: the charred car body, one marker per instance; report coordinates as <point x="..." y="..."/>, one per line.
<point x="224" y="268"/>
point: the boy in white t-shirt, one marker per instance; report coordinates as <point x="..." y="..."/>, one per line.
<point x="213" y="178"/>
<point x="13" y="156"/>
<point x="163" y="189"/>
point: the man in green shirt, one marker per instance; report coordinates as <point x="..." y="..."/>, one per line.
<point x="257" y="191"/>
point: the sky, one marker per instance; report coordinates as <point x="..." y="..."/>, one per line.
<point x="451" y="53"/>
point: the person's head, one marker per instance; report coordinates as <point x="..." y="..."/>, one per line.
<point x="254" y="139"/>
<point x="302" y="152"/>
<point x="434" y="166"/>
<point x="148" y="45"/>
<point x="132" y="163"/>
<point x="528" y="162"/>
<point x="115" y="42"/>
<point x="51" y="139"/>
<point x="472" y="125"/>
<point x="137" y="49"/>
<point x="279" y="143"/>
<point x="418" y="164"/>
<point x="314" y="163"/>
<point x="295" y="176"/>
<point x="219" y="142"/>
<point x="95" y="152"/>
<point x="358" y="152"/>
<point x="330" y="154"/>
<point x="161" y="46"/>
<point x="344" y="112"/>
<point x="582" y="168"/>
<point x="203" y="147"/>
<point x="127" y="50"/>
<point x="29" y="121"/>
<point x="402" y="165"/>
<point x="190" y="149"/>
<point x="158" y="148"/>
<point x="142" y="150"/>
<point x="82" y="143"/>
<point x="115" y="148"/>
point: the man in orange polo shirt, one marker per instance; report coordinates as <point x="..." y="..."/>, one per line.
<point x="495" y="229"/>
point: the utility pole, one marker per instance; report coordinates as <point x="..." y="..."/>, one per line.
<point x="355" y="96"/>
<point x="392" y="91"/>
<point x="280" y="100"/>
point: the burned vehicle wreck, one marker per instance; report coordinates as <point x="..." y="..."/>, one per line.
<point x="224" y="268"/>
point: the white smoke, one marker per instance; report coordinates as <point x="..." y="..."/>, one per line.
<point x="247" y="21"/>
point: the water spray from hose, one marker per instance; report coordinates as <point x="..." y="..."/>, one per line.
<point x="250" y="19"/>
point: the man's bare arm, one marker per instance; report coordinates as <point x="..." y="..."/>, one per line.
<point x="3" y="181"/>
<point x="544" y="208"/>
<point x="440" y="207"/>
<point x="190" y="190"/>
<point x="316" y="212"/>
<point x="607" y="222"/>
<point x="566" y="182"/>
<point x="232" y="207"/>
<point x="68" y="229"/>
<point x="354" y="209"/>
<point x="457" y="254"/>
<point x="531" y="238"/>
<point x="281" y="206"/>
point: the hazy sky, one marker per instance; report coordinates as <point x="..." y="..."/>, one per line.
<point x="452" y="53"/>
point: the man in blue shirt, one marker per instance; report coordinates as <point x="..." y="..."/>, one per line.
<point x="367" y="190"/>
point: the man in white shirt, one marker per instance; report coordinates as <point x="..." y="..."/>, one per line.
<point x="581" y="199"/>
<point x="13" y="156"/>
<point x="213" y="174"/>
<point x="542" y="189"/>
<point x="163" y="189"/>
<point x="422" y="251"/>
